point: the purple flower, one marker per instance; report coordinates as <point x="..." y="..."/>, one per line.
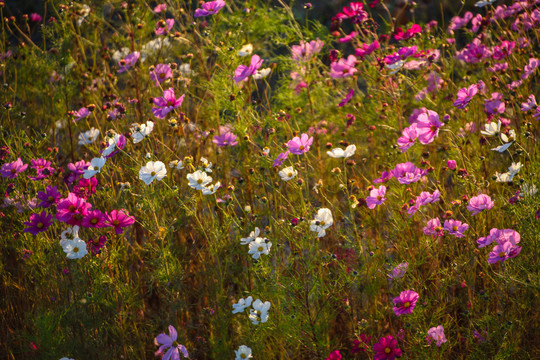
<point x="85" y="187"/>
<point x="455" y="227"/>
<point x="437" y="334"/>
<point x="126" y="63"/>
<point x="376" y="197"/>
<point x="164" y="26"/>
<point x="43" y="169"/>
<point x="225" y="139"/>
<point x="300" y="145"/>
<point x="94" y="219"/>
<point x="343" y="67"/>
<point x="161" y="73"/>
<point x="49" y="197"/>
<point x="347" y="98"/>
<point x="502" y="252"/>
<point x="81" y="113"/>
<point x="38" y="223"/>
<point x="119" y="220"/>
<point x="434" y="228"/>
<point x="405" y="302"/>
<point x="485" y="241"/>
<point x="407" y="173"/>
<point x="166" y="103"/>
<point x="495" y="105"/>
<point x="355" y="11"/>
<point x="529" y="68"/>
<point x="281" y="158"/>
<point x="399" y="271"/>
<point x="465" y="95"/>
<point x="169" y="342"/>
<point x="386" y="349"/>
<point x="479" y="203"/>
<point x="11" y="170"/>
<point x="427" y="126"/>
<point x="242" y="72"/>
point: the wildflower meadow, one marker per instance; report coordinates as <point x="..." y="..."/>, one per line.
<point x="269" y="179"/>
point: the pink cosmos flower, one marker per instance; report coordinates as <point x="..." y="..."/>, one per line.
<point x="407" y="173"/>
<point x="81" y="113"/>
<point x="126" y="63"/>
<point x="502" y="252"/>
<point x="348" y="38"/>
<point x="355" y="11"/>
<point x="43" y="169"/>
<point x="495" y="104"/>
<point x="347" y="98"/>
<point x="408" y="138"/>
<point x="376" y="197"/>
<point x="437" y="334"/>
<point x="334" y="355"/>
<point x="498" y="67"/>
<point x="38" y="223"/>
<point x="451" y="164"/>
<point x="11" y="170"/>
<point x="476" y="22"/>
<point x="169" y="342"/>
<point x="119" y="219"/>
<point x="465" y="95"/>
<point x="242" y="72"/>
<point x="34" y="17"/>
<point x="166" y="103"/>
<point x="529" y="68"/>
<point x="530" y="104"/>
<point x="94" y="219"/>
<point x="300" y="145"/>
<point x="409" y="33"/>
<point x="455" y="227"/>
<point x="503" y="50"/>
<point x="161" y="73"/>
<point x="398" y="271"/>
<point x="405" y="302"/>
<point x="485" y="241"/>
<point x="474" y="52"/>
<point x="479" y="203"/>
<point x="164" y="26"/>
<point x="209" y="8"/>
<point x="386" y="349"/>
<point x="434" y="228"/>
<point x="160" y="7"/>
<point x="306" y="50"/>
<point x="427" y="126"/>
<point x="366" y="49"/>
<point x="343" y="67"/>
<point x="85" y="187"/>
<point x="427" y="198"/>
<point x="72" y="209"/>
<point x="458" y="22"/>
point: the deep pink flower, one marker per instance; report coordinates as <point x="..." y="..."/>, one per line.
<point x="166" y="103"/>
<point x="225" y="139"/>
<point x="505" y="49"/>
<point x="77" y="169"/>
<point x="347" y="98"/>
<point x="161" y="73"/>
<point x="242" y="72"/>
<point x="300" y="145"/>
<point x="427" y="126"/>
<point x="348" y="38"/>
<point x="126" y="63"/>
<point x="38" y="223"/>
<point x="49" y="197"/>
<point x="376" y="197"/>
<point x="343" y="67"/>
<point x="455" y="227"/>
<point x="94" y="219"/>
<point x="386" y="349"/>
<point x="11" y="170"/>
<point x="72" y="209"/>
<point x="437" y="334"/>
<point x="209" y="8"/>
<point x="360" y="345"/>
<point x="465" y="95"/>
<point x="85" y="187"/>
<point x="409" y="33"/>
<point x="119" y="219"/>
<point x="169" y="342"/>
<point x="405" y="302"/>
<point x="34" y="17"/>
<point x="355" y="12"/>
<point x="43" y="169"/>
<point x="479" y="203"/>
<point x="95" y="246"/>
<point x="451" y="164"/>
<point x="164" y="26"/>
<point x="366" y="49"/>
<point x="334" y="355"/>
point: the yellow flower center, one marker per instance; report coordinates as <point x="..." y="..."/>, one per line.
<point x="40" y="225"/>
<point x="260" y="249"/>
<point x="455" y="228"/>
<point x="302" y="147"/>
<point x="407" y="304"/>
<point x="387" y="350"/>
<point x="75" y="249"/>
<point x="153" y="173"/>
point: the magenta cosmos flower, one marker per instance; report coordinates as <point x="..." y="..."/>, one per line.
<point x="169" y="342"/>
<point x="209" y="8"/>
<point x="455" y="227"/>
<point x="11" y="170"/>
<point x="405" y="302"/>
<point x="38" y="223"/>
<point x="376" y="197"/>
<point x="43" y="169"/>
<point x="50" y="197"/>
<point x="366" y="49"/>
<point x="81" y="113"/>
<point x="72" y="209"/>
<point x="465" y="95"/>
<point x="242" y="72"/>
<point x="437" y="334"/>
<point x="161" y="73"/>
<point x="427" y="125"/>
<point x="300" y="145"/>
<point x="126" y="63"/>
<point x="334" y="355"/>
<point x="166" y="103"/>
<point x="355" y="11"/>
<point x="164" y="26"/>
<point x="343" y="67"/>
<point x="94" y="219"/>
<point x="479" y="203"/>
<point x="386" y="349"/>
<point x="119" y="220"/>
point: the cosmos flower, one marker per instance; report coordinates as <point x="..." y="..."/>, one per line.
<point x="38" y="223"/>
<point x="405" y="302"/>
<point x="169" y="343"/>
<point x="323" y="220"/>
<point x="209" y="8"/>
<point x="243" y="72"/>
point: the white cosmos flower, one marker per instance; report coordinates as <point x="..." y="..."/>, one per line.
<point x="139" y="132"/>
<point x="491" y="129"/>
<point x="483" y="3"/>
<point x="112" y="145"/>
<point x="199" y="179"/>
<point x="211" y="189"/>
<point x="340" y="153"/>
<point x="395" y="66"/>
<point x="506" y="139"/>
<point x="261" y="73"/>
<point x="259" y="246"/>
<point x="514" y="168"/>
<point x="95" y="166"/>
<point x="176" y="164"/>
<point x="245" y="50"/>
<point x="207" y="165"/>
<point x="508" y="176"/>
<point x="75" y="249"/>
<point x="65" y="358"/>
<point x="88" y="137"/>
<point x="243" y="352"/>
<point x="242" y="305"/>
<point x="259" y="313"/>
<point x="288" y="173"/>
<point x="69" y="234"/>
<point x="528" y="189"/>
<point x="252" y="236"/>
<point x="323" y="220"/>
<point x="152" y="170"/>
<point x="185" y="69"/>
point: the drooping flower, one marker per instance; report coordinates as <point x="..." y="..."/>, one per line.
<point x="11" y="170"/>
<point x="386" y="349"/>
<point x="81" y="113"/>
<point x="119" y="219"/>
<point x="169" y="343"/>
<point x="376" y="197"/>
<point x="38" y="223"/>
<point x="243" y="352"/>
<point x="492" y="129"/>
<point x="199" y="179"/>
<point x="259" y="246"/>
<point x="281" y="158"/>
<point x="300" y="145"/>
<point x="455" y="227"/>
<point x="437" y="334"/>
<point x="242" y="72"/>
<point x="288" y="173"/>
<point x="242" y="305"/>
<point x="479" y="203"/>
<point x="209" y="8"/>
<point x="366" y="49"/>
<point x="408" y="138"/>
<point x="152" y="170"/>
<point x="252" y="236"/>
<point x="167" y="103"/>
<point x="115" y="143"/>
<point x="405" y="302"/>
<point x="340" y="153"/>
<point x="323" y="220"/>
<point x="75" y="249"/>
